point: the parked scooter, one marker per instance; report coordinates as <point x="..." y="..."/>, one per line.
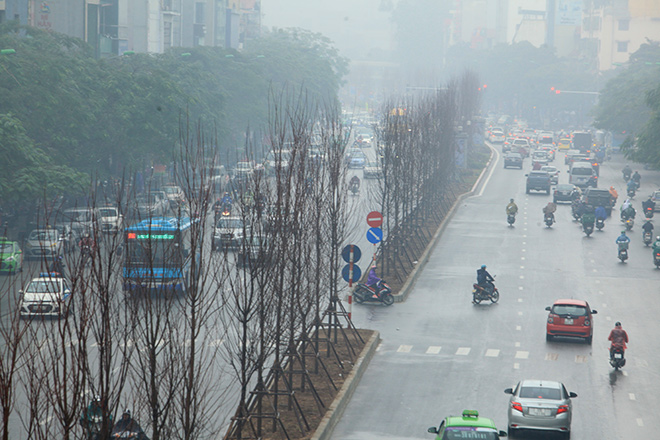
<point x="480" y="293"/>
<point x="364" y="293"/>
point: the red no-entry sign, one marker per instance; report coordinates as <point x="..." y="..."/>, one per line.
<point x="375" y="219"/>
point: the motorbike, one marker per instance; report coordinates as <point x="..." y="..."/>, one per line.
<point x="656" y="259"/>
<point x="626" y="175"/>
<point x="364" y="293"/>
<point x="588" y="228"/>
<point x="648" y="212"/>
<point x="549" y="220"/>
<point x="85" y="253"/>
<point x="511" y="219"/>
<point x="617" y="357"/>
<point x="623" y="251"/>
<point x="574" y="210"/>
<point x="647" y="237"/>
<point x="480" y="293"/>
<point x="600" y="224"/>
<point x="629" y="224"/>
<point x="631" y="193"/>
<point x="354" y="189"/>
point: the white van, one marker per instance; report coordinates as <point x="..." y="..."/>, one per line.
<point x="582" y="174"/>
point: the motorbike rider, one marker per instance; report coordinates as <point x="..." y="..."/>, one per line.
<point x="588" y="216"/>
<point x="511" y="208"/>
<point x="613" y="195"/>
<point x="354" y="183"/>
<point x="58" y="265"/>
<point x="373" y="281"/>
<point x="600" y="213"/>
<point x="648" y="205"/>
<point x="627" y="171"/>
<point x="628" y="212"/>
<point x="128" y="425"/>
<point x="637" y="178"/>
<point x="549" y="211"/>
<point x="484" y="279"/>
<point x="86" y="240"/>
<point x="226" y="200"/>
<point x="618" y="337"/>
<point x="621" y="239"/>
<point x="647" y="227"/>
<point x="632" y="185"/>
<point x="93" y="410"/>
<point x="576" y="193"/>
<point x="656" y="245"/>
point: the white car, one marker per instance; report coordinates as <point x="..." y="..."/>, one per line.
<point x="174" y="194"/>
<point x="229" y="233"/>
<point x="47" y="295"/>
<point x="45" y="243"/>
<point x="112" y="221"/>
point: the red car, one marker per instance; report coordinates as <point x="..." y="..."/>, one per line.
<point x="572" y="318"/>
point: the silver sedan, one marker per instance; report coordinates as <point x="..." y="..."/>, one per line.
<point x="540" y="405"/>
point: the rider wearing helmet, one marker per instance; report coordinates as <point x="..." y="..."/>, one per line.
<point x="127" y="426"/>
<point x="619" y="338"/>
<point x="93" y="413"/>
<point x="656" y="245"/>
<point x="484" y="279"/>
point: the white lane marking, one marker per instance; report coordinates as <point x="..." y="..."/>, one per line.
<point x="516" y="366"/>
<point x="608" y="318"/>
<point x="522" y="267"/>
<point x="520" y="300"/>
<point x="517" y="344"/>
<point x="520" y="288"/>
<point x="492" y="352"/>
<point x="522" y="354"/>
<point x="625" y="373"/>
<point x="524" y="235"/>
<point x="604" y="304"/>
<point x="433" y="349"/>
<point x="518" y="328"/>
<point x="522" y="258"/>
<point x="580" y="359"/>
<point x="463" y="351"/>
<point x="524" y="242"/>
<point x="597" y="281"/>
<point x="524" y="229"/>
<point x="593" y="261"/>
<point x="404" y="349"/>
<point x="522" y="277"/>
<point x="490" y="173"/>
<point x="595" y="270"/>
<point x="631" y="396"/>
<point x="640" y="422"/>
<point x="216" y="343"/>
<point x="551" y="356"/>
<point x="520" y="313"/>
<point x="600" y="292"/>
<point x="524" y="250"/>
<point x="378" y="348"/>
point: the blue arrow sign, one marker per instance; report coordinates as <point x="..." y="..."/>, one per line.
<point x="375" y="235"/>
<point x="357" y="273"/>
<point x="346" y="253"/>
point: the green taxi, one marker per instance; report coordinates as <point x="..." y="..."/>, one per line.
<point x="11" y="256"/>
<point x="468" y="426"/>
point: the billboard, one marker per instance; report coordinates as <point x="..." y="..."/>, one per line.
<point x="569" y="13"/>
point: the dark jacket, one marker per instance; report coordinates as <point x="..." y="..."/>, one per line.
<point x="483" y="276"/>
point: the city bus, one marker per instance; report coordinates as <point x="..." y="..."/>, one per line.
<point x="158" y="254"/>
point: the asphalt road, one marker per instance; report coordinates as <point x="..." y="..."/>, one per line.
<point x="440" y="354"/>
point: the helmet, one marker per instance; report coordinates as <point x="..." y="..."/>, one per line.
<point x="483" y="266"/>
<point x="511" y="200"/>
<point x="86" y="234"/>
<point x="617" y="324"/>
<point x="127" y="412"/>
<point x="97" y="398"/>
<point x="623" y="232"/>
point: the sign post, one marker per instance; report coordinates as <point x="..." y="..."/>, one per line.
<point x="375" y="234"/>
<point x="351" y="272"/>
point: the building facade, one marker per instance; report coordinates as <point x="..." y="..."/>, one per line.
<point x="113" y="27"/>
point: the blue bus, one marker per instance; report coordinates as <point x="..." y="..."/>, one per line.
<point x="158" y="254"/>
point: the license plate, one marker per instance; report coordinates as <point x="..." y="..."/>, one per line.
<point x="618" y="356"/>
<point x="568" y="321"/>
<point x="539" y="412"/>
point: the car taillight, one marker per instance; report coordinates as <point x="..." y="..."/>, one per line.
<point x="517" y="406"/>
<point x="562" y="409"/>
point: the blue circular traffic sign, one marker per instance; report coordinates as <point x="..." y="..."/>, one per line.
<point x="357" y="273"/>
<point x="346" y="253"/>
<point x="375" y="235"/>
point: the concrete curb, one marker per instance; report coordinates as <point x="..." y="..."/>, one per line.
<point x="338" y="406"/>
<point x="412" y="278"/>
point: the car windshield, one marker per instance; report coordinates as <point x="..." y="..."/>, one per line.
<point x="42" y="287"/>
<point x="466" y="432"/>
<point x="146" y="200"/>
<point x="581" y="171"/>
<point x="50" y="235"/>
<point x="540" y="393"/>
<point x="171" y="190"/>
<point x="108" y="212"/>
<point x="549" y="169"/>
<point x="230" y="223"/>
<point x="565" y="187"/>
<point x="6" y="248"/>
<point x="569" y="309"/>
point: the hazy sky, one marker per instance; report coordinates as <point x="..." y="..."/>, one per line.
<point x="358" y="27"/>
